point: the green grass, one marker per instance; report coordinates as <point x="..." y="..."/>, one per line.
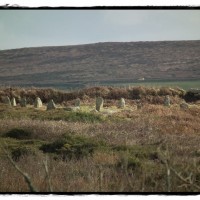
<point x="73" y="146"/>
<point x="18" y="148"/>
<point x="58" y="114"/>
<point x="182" y="84"/>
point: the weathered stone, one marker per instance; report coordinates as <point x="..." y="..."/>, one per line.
<point x="77" y="103"/>
<point x="13" y="102"/>
<point x="38" y="103"/>
<point x="7" y="101"/>
<point x="122" y="103"/>
<point x="51" y="105"/>
<point x="23" y="102"/>
<point x="99" y="103"/>
<point x="167" y="101"/>
<point x="184" y="106"/>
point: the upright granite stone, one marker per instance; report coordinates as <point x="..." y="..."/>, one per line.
<point x="77" y="102"/>
<point x="38" y="103"/>
<point x="121" y="103"/>
<point x="13" y="102"/>
<point x="51" y="105"/>
<point x="167" y="101"/>
<point x="7" y="101"/>
<point x="23" y="102"/>
<point x="99" y="103"/>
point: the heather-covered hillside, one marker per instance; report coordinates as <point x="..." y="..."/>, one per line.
<point x="112" y="62"/>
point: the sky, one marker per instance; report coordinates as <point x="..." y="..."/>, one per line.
<point x="36" y="28"/>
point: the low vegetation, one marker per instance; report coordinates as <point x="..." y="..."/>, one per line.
<point x="150" y="149"/>
<point x="146" y="94"/>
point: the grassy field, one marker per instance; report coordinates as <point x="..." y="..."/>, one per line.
<point x="186" y="85"/>
<point x="151" y="149"/>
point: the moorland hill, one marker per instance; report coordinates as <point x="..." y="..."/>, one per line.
<point x="100" y="63"/>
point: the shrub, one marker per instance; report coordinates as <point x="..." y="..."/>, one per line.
<point x="96" y="92"/>
<point x="19" y="134"/>
<point x="70" y="146"/>
<point x="157" y="100"/>
<point x="17" y="152"/>
<point x="191" y="96"/>
<point x="164" y="91"/>
<point x="145" y="152"/>
<point x="138" y="92"/>
<point x="128" y="161"/>
<point x="151" y="91"/>
<point x="105" y="92"/>
<point x="117" y="93"/>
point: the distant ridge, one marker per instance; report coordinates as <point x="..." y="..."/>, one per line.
<point x="100" y="63"/>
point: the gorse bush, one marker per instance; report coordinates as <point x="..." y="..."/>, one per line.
<point x="70" y="146"/>
<point x="138" y="92"/>
<point x="191" y="96"/>
<point x="19" y="134"/>
<point x="20" y="151"/>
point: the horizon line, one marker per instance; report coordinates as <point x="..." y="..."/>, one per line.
<point x="80" y="44"/>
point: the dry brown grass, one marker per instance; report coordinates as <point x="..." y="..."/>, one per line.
<point x="44" y="130"/>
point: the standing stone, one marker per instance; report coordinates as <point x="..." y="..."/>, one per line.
<point x="184" y="106"/>
<point x="7" y="101"/>
<point x="13" y="102"/>
<point x="99" y="103"/>
<point x="77" y="102"/>
<point x="122" y="103"/>
<point x="167" y="101"/>
<point x="51" y="105"/>
<point x="23" y="102"/>
<point x="38" y="103"/>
